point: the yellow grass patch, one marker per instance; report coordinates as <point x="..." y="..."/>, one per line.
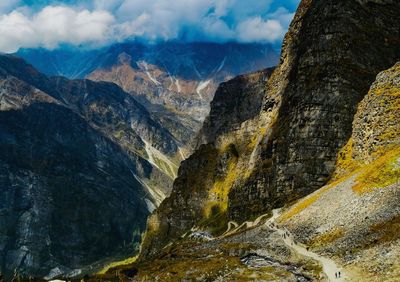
<point x="381" y="173"/>
<point x="125" y="262"/>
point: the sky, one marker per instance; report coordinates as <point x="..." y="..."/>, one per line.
<point x="94" y="23"/>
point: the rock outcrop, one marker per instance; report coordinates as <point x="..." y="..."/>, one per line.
<point x="331" y="55"/>
<point x="359" y="222"/>
<point x="322" y="77"/>
<point x="376" y="127"/>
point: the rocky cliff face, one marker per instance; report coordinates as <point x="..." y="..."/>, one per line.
<point x="225" y="146"/>
<point x="351" y="222"/>
<point x="376" y="127"/>
<point x="359" y="221"/>
<point x="121" y="118"/>
<point x="331" y="55"/>
<point x="78" y="174"/>
<point x="322" y="77"/>
<point x="235" y="102"/>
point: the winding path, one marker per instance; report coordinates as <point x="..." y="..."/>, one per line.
<point x="329" y="267"/>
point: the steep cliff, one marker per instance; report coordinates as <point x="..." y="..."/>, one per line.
<point x="121" y="118"/>
<point x="82" y="165"/>
<point x="200" y="193"/>
<point x="68" y="194"/>
<point x="360" y="219"/>
<point x="350" y="225"/>
<point x="331" y="55"/>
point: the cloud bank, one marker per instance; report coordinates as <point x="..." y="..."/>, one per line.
<point x="49" y="24"/>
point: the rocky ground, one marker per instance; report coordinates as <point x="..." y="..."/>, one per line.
<point x="258" y="253"/>
<point x="358" y="230"/>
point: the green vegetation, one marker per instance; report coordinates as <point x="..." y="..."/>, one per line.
<point x="345" y="162"/>
<point x="188" y="261"/>
<point x="215" y="207"/>
<point x="300" y="206"/>
<point x="116" y="264"/>
<point x="380" y="173"/>
<point x="216" y="222"/>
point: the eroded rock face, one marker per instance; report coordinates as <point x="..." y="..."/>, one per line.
<point x="235" y="102"/>
<point x="376" y="126"/>
<point x="125" y="121"/>
<point x="356" y="217"/>
<point x="201" y="190"/>
<point x="330" y="57"/>
<point x="68" y="197"/>
<point x="75" y="182"/>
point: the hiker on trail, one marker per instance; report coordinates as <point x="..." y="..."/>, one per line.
<point x="339" y="274"/>
<point x="335" y="274"/>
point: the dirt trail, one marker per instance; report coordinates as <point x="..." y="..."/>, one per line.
<point x="329" y="266"/>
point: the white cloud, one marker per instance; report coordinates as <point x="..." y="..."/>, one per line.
<point x="257" y="29"/>
<point x="217" y="20"/>
<point x="52" y="26"/>
<point x="96" y="22"/>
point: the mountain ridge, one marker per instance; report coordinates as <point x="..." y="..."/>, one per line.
<point x="174" y="80"/>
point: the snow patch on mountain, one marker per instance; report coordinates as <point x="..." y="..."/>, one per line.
<point x="161" y="161"/>
<point x="178" y="86"/>
<point x="146" y="68"/>
<point x="202" y="85"/>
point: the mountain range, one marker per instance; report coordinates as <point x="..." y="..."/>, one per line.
<point x="182" y="161"/>
<point x="175" y="81"/>
<point x="85" y="161"/>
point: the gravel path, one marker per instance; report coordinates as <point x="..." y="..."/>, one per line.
<point x="329" y="266"/>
